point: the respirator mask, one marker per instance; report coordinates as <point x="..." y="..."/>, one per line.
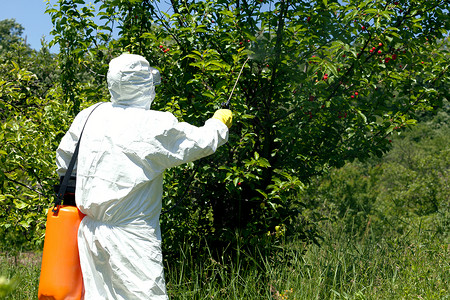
<point x="156" y="76"/>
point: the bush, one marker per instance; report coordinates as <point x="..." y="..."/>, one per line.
<point x="408" y="188"/>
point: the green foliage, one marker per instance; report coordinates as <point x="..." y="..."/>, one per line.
<point x="29" y="135"/>
<point x="19" y="276"/>
<point x="33" y="120"/>
<point x="405" y="189"/>
<point x="82" y="52"/>
<point x="10" y="34"/>
<point x="323" y="82"/>
<point x="6" y="286"/>
<point x="32" y="123"/>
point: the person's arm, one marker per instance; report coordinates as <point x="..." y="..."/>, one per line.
<point x="183" y="142"/>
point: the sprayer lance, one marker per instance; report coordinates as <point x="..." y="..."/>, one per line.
<point x="227" y="104"/>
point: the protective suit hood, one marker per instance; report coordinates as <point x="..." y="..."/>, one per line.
<point x="131" y="81"/>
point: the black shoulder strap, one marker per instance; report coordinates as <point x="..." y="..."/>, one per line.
<point x="64" y="183"/>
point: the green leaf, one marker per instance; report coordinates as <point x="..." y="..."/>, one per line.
<point x="264" y="163"/>
<point x="20" y="204"/>
<point x="363" y="116"/>
<point x="331" y="67"/>
<point x="256" y="155"/>
<point x="371" y="11"/>
<point x="263" y="193"/>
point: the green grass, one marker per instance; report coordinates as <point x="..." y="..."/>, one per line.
<point x="20" y="275"/>
<point x="340" y="269"/>
<point x="401" y="267"/>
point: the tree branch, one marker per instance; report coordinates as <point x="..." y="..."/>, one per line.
<point x="24" y="185"/>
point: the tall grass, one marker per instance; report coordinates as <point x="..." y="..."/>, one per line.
<point x="20" y="273"/>
<point x="412" y="266"/>
<point x="415" y="265"/>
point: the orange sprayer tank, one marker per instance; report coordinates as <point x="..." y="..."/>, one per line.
<point x="61" y="272"/>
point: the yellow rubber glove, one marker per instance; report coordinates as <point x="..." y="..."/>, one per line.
<point x="225" y="116"/>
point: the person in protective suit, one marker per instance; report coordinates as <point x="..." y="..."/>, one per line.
<point x="123" y="153"/>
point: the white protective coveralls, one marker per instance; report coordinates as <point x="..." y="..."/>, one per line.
<point x="124" y="151"/>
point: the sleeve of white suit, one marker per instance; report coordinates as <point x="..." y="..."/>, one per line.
<point x="184" y="142"/>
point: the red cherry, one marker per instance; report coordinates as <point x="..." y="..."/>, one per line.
<point x="356" y="93"/>
<point x="379" y="51"/>
<point x="380" y="44"/>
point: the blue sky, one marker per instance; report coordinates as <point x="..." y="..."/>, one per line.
<point x="31" y="15"/>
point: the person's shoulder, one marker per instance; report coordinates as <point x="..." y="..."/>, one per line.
<point x="86" y="111"/>
<point x="146" y="116"/>
<point x="162" y="115"/>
